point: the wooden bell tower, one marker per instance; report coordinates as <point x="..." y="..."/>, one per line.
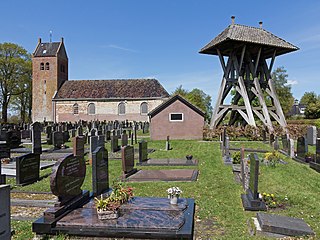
<point x="243" y="52"/>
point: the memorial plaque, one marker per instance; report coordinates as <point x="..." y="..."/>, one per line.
<point x="67" y="177"/>
<point x="143" y="151"/>
<point x="100" y="175"/>
<point x="36" y="138"/>
<point x="5" y="227"/>
<point x="127" y="159"/>
<point x="27" y="168"/>
<point x="57" y="139"/>
<point x="78" y="146"/>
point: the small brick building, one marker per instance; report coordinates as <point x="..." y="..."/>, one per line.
<point x="176" y="118"/>
<point x="57" y="99"/>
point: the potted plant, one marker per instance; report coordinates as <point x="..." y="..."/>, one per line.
<point x="308" y="157"/>
<point x="108" y="208"/>
<point x="173" y="195"/>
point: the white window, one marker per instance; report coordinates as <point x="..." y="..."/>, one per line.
<point x="75" y="108"/>
<point x="121" y="108"/>
<point x="144" y="108"/>
<point x="176" y="117"/>
<point x="91" y="109"/>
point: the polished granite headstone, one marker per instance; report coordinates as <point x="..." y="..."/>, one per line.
<point x="315" y="165"/>
<point x="4" y="150"/>
<point x="283" y="225"/>
<point x="124" y="139"/>
<point x="114" y="144"/>
<point x="182" y="175"/>
<point x="67" y="177"/>
<point x="140" y="218"/>
<point x="302" y="148"/>
<point x="127" y="153"/>
<point x="143" y="151"/>
<point x="250" y="200"/>
<point x="27" y="168"/>
<point x="2" y="176"/>
<point x="5" y="226"/>
<point x="100" y="175"/>
<point x="311" y="135"/>
<point x="78" y="146"/>
<point x="57" y="139"/>
<point x="36" y="138"/>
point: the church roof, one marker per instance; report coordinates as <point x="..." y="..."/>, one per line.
<point x="112" y="89"/>
<point x="172" y="100"/>
<point x="47" y="49"/>
<point x="236" y="33"/>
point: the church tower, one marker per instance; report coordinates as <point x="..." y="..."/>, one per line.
<point x="49" y="72"/>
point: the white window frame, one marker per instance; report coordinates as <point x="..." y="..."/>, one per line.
<point x="170" y="120"/>
<point x="74" y="107"/>
<point x="95" y="110"/>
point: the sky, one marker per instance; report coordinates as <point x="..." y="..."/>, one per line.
<point x="120" y="39"/>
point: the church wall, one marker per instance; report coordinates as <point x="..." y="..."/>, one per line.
<point x="105" y="110"/>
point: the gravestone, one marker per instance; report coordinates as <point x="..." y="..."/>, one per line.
<point x="286" y="226"/>
<point x="227" y="158"/>
<point x="127" y="153"/>
<point x="25" y="134"/>
<point x="101" y="140"/>
<point x="4" y="150"/>
<point x="49" y="135"/>
<point x="108" y="135"/>
<point x="143" y="151"/>
<point x="57" y="140"/>
<point x="27" y="168"/>
<point x="135" y="135"/>
<point x="79" y="131"/>
<point x="302" y="148"/>
<point x="124" y="139"/>
<point x="311" y="135"/>
<point x="250" y="200"/>
<point x="285" y="144"/>
<point x="291" y="148"/>
<point x="168" y="147"/>
<point x="36" y="138"/>
<point x="67" y="178"/>
<point x="78" y="146"/>
<point x="316" y="163"/>
<point x="244" y="170"/>
<point x="93" y="145"/>
<point x="114" y="144"/>
<point x="73" y="133"/>
<point x="100" y="175"/>
<point x="2" y="176"/>
<point x="131" y="139"/>
<point x="276" y="143"/>
<point x="271" y="140"/>
<point x="66" y="136"/>
<point x="5" y="225"/>
<point x="264" y="135"/>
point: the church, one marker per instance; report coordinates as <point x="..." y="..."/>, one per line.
<point x="58" y="99"/>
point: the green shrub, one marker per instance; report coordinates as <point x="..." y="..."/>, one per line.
<point x="236" y="157"/>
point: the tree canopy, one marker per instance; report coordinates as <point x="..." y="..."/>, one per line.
<point x="309" y="97"/>
<point x="198" y="98"/>
<point x="15" y="75"/>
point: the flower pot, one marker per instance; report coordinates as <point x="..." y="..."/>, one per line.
<point x="174" y="200"/>
<point x="107" y="215"/>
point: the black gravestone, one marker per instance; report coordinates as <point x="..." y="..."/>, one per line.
<point x="127" y="153"/>
<point x="285" y="144"/>
<point x="316" y="163"/>
<point x="250" y="200"/>
<point x="27" y="168"/>
<point x="5" y="226"/>
<point x="143" y="151"/>
<point x="57" y="139"/>
<point x="4" y="150"/>
<point x="100" y="175"/>
<point x="78" y="146"/>
<point x="114" y="144"/>
<point x="124" y="139"/>
<point x="36" y="138"/>
<point x="2" y="177"/>
<point x="302" y="148"/>
<point x="67" y="178"/>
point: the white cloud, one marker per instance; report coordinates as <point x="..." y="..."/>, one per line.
<point x="292" y="82"/>
<point x="119" y="47"/>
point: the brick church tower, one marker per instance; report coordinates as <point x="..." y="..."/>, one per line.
<point x="49" y="72"/>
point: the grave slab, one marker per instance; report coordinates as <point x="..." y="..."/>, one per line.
<point x="140" y="218"/>
<point x="179" y="175"/>
<point x="168" y="162"/>
<point x="283" y="225"/>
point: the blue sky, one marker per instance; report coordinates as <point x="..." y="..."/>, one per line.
<point x="115" y="39"/>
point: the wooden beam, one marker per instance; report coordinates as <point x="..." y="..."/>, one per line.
<point x="242" y="56"/>
<point x="257" y="62"/>
<point x="222" y="62"/>
<point x="272" y="60"/>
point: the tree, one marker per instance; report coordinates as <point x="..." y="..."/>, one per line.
<point x="283" y="89"/>
<point x="309" y="97"/>
<point x="14" y="66"/>
<point x="313" y="110"/>
<point x="198" y="98"/>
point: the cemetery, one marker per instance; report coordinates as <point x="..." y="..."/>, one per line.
<point x="169" y="174"/>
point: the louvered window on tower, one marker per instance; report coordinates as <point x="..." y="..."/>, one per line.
<point x="47" y="66"/>
<point x="91" y="109"/>
<point x="41" y="66"/>
<point x="121" y="108"/>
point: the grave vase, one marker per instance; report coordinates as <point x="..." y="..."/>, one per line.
<point x="174" y="200"/>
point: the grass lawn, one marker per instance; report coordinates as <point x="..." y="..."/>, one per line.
<point x="216" y="193"/>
